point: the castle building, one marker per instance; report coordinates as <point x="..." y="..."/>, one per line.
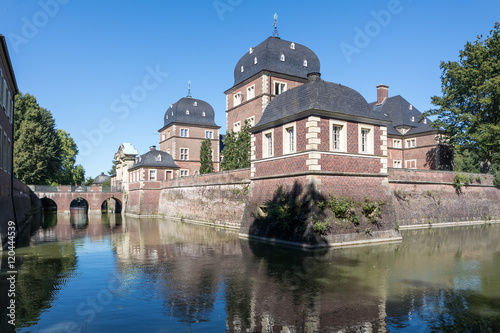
<point x="187" y="123"/>
<point x="155" y="165"/>
<point x="265" y="71"/>
<point x="411" y="141"/>
<point x="8" y="89"/>
<point x="124" y="159"/>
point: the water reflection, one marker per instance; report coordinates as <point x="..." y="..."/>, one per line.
<point x="191" y="278"/>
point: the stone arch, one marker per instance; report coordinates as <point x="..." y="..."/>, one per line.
<point x="48" y="204"/>
<point x="111" y="205"/>
<point x="79" y="203"/>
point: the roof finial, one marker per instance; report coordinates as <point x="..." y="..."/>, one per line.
<point x="275" y="25"/>
<point x="189" y="89"/>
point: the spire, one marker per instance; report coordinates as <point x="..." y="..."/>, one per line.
<point x="189" y="89"/>
<point x="275" y="25"/>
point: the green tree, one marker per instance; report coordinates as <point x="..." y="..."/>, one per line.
<point x="206" y="157"/>
<point x="37" y="153"/>
<point x="236" y="152"/>
<point x="89" y="181"/>
<point x="469" y="110"/>
<point x="69" y="172"/>
<point x="113" y="167"/>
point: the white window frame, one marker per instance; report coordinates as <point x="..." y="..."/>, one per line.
<point x="409" y="162"/>
<point x="184" y="132"/>
<point x="279" y="87"/>
<point x="396" y="143"/>
<point x="304" y="63"/>
<point x="158" y="158"/>
<point x="163" y="137"/>
<point x="251" y="121"/>
<point x="237" y="127"/>
<point x="268" y="147"/>
<point x="369" y="145"/>
<point x="282" y="57"/>
<point x="209" y="134"/>
<point x="289" y="142"/>
<point x="167" y="173"/>
<point x="342" y="135"/>
<point x="237" y="99"/>
<point x="152" y="174"/>
<point x="184" y="156"/>
<point x="411" y="143"/>
<point x="184" y="172"/>
<point x="397" y="164"/>
<point x="251" y="92"/>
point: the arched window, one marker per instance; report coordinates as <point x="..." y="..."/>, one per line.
<point x="195" y="104"/>
<point x="305" y="63"/>
<point x="282" y="58"/>
<point x="203" y="114"/>
<point x="292" y="46"/>
<point x="250" y="51"/>
<point x="187" y="112"/>
<point x="242" y="69"/>
<point x="255" y="61"/>
<point x="158" y="158"/>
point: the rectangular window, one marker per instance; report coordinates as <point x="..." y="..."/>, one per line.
<point x="237" y="127"/>
<point x="209" y="134"/>
<point x="237" y="99"/>
<point x="289" y="139"/>
<point x="267" y="144"/>
<point x="168" y="174"/>
<point x="411" y="164"/>
<point x="410" y="143"/>
<point x="184" y="132"/>
<point x="338" y="135"/>
<point x="365" y="139"/>
<point x="396" y="163"/>
<point x="396" y="143"/>
<point x="184" y="154"/>
<point x="279" y="88"/>
<point x="184" y="173"/>
<point x="250" y="92"/>
<point x="251" y="121"/>
<point x="152" y="174"/>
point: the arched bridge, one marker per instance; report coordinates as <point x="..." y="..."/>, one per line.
<point x="96" y="198"/>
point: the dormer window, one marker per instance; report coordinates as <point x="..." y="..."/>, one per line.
<point x="282" y="58"/>
<point x="251" y="50"/>
<point x="410" y="107"/>
<point x="172" y="113"/>
<point x="140" y="158"/>
<point x="255" y="61"/>
<point x="171" y="105"/>
<point x="425" y="120"/>
<point x="203" y="114"/>
<point x="292" y="46"/>
<point x="242" y="69"/>
<point x="167" y="116"/>
<point x="158" y="158"/>
<point x="195" y="104"/>
<point x="305" y="63"/>
<point x="187" y="112"/>
<point x="412" y="119"/>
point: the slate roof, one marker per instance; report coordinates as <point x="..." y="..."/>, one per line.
<point x="397" y="110"/>
<point x="101" y="179"/>
<point x="268" y="54"/>
<point x="328" y="98"/>
<point x="150" y="159"/>
<point x="200" y="112"/>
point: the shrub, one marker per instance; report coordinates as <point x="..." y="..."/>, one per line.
<point x="372" y="209"/>
<point x="341" y="207"/>
<point x="321" y="228"/>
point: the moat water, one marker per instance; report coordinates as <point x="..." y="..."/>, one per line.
<point x="120" y="274"/>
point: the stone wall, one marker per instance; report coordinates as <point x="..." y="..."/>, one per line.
<point x="214" y="199"/>
<point x="429" y="197"/>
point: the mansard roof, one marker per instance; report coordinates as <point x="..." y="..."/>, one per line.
<point x="191" y="111"/>
<point x="154" y="159"/>
<point x="279" y="56"/>
<point x="401" y="113"/>
<point x="321" y="98"/>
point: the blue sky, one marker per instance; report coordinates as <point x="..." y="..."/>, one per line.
<point x="108" y="70"/>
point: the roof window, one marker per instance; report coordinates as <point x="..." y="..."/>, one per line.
<point x="195" y="104"/>
<point x="242" y="69"/>
<point x="305" y="63"/>
<point x="292" y="46"/>
<point x="412" y="118"/>
<point x="282" y="58"/>
<point x="187" y="112"/>
<point x="203" y="114"/>
<point x="255" y="61"/>
<point x="171" y="105"/>
<point x="251" y="50"/>
<point x="158" y="158"/>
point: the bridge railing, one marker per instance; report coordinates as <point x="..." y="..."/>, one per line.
<point x="77" y="189"/>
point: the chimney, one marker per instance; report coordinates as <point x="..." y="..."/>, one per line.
<point x="152" y="148"/>
<point x="382" y="93"/>
<point x="314" y="76"/>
